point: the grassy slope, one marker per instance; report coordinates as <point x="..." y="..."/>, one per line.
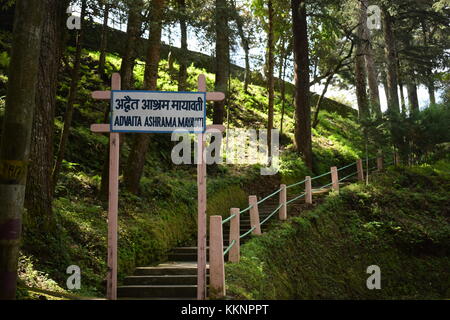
<point x="400" y="222"/>
<point x="161" y="217"/>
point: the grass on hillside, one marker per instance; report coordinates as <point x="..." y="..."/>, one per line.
<point x="400" y="222"/>
<point x="163" y="215"/>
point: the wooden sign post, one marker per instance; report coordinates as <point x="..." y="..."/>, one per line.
<point x="111" y="291"/>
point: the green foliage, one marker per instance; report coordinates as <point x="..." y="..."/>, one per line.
<point x="423" y="132"/>
<point x="392" y="223"/>
<point x="4" y="64"/>
<point x="4" y="60"/>
<point x="31" y="277"/>
<point x="161" y="217"/>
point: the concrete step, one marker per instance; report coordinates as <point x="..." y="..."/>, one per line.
<point x="158" y="271"/>
<point x="185" y="256"/>
<point x="242" y="231"/>
<point x="246" y="226"/>
<point x="155" y="291"/>
<point x="161" y="280"/>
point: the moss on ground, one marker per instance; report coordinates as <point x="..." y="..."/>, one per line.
<point x="161" y="217"/>
<point x="400" y="222"/>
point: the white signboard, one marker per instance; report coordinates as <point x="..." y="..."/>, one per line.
<point x="156" y="111"/>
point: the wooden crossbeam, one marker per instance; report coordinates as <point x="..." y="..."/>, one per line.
<point x="106" y="95"/>
<point x="105" y="128"/>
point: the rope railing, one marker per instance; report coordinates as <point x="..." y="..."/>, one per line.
<point x="217" y="251"/>
<point x="270" y="215"/>
<point x="247" y="233"/>
<point x="246" y="209"/>
<point x="346" y="177"/>
<point x="295" y="184"/>
<point x="229" y="247"/>
<point x="322" y="175"/>
<point x="229" y="218"/>
<point x="296" y="198"/>
<point x="290" y="201"/>
<point x="325" y="186"/>
<point x="348" y="166"/>
<point x="269" y="196"/>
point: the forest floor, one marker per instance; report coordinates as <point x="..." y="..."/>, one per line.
<point x="399" y="222"/>
<point x="163" y="217"/>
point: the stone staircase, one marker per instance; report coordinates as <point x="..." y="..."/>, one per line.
<point x="177" y="279"/>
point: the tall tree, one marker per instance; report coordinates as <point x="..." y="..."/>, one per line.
<point x="245" y="44"/>
<point x="138" y="152"/>
<point x="16" y="136"/>
<point x="390" y="52"/>
<point x="303" y="138"/>
<point x="282" y="76"/>
<point x="360" y="65"/>
<point x="75" y="78"/>
<point x="428" y="69"/>
<point x="400" y="87"/>
<point x="270" y="75"/>
<point x="129" y="55"/>
<point x="104" y="37"/>
<point x="412" y="94"/>
<point x="331" y="74"/>
<point x="222" y="57"/>
<point x="135" y="8"/>
<point x="39" y="191"/>
<point x="374" y="94"/>
<point x="182" y="76"/>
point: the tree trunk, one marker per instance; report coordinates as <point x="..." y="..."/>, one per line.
<point x="138" y="152"/>
<point x="184" y="47"/>
<point x="283" y="62"/>
<point x="126" y="72"/>
<point x="402" y="95"/>
<point x="39" y="191"/>
<point x="104" y="40"/>
<point x="133" y="34"/>
<point x="429" y="72"/>
<point x="385" y="85"/>
<point x="319" y="101"/>
<point x="374" y="94"/>
<point x="247" y="74"/>
<point x="16" y="136"/>
<point x="390" y="53"/>
<point x="303" y="139"/>
<point x="431" y="89"/>
<point x="401" y="86"/>
<point x="360" y="66"/>
<point x="245" y="45"/>
<point x="412" y="96"/>
<point x="71" y="101"/>
<point x="222" y="58"/>
<point x="270" y="77"/>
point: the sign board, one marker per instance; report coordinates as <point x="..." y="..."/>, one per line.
<point x="157" y="111"/>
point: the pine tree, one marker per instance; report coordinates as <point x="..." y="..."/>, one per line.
<point x="16" y="136"/>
